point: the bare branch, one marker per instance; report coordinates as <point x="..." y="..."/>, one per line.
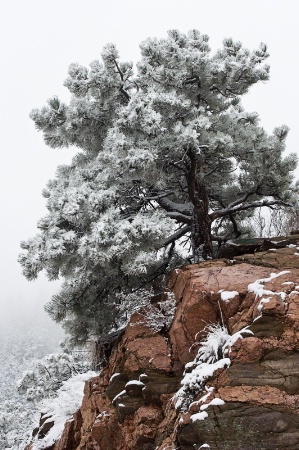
<point x="118" y="70"/>
<point x="122" y="90"/>
<point x="170" y="206"/>
<point x="179" y="217"/>
<point x="177" y="235"/>
<point x="243" y="207"/>
<point x="243" y="198"/>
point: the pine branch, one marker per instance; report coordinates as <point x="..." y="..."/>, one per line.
<point x="177" y="235"/>
<point x="243" y="207"/>
<point x="180" y="208"/>
<point x="179" y="217"/>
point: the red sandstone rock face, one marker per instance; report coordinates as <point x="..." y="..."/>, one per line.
<point x="279" y="258"/>
<point x="135" y="409"/>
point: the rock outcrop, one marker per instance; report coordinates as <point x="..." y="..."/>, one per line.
<point x="239" y="247"/>
<point x="249" y="403"/>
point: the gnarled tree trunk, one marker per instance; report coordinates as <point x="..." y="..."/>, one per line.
<point x="201" y="223"/>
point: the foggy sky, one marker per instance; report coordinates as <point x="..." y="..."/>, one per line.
<point x="39" y="39"/>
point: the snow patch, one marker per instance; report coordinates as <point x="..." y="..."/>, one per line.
<point x="114" y="376"/>
<point x="203" y="371"/>
<point x="257" y="287"/>
<point x="262" y="302"/>
<point x="206" y="396"/>
<point x="215" y="402"/>
<point x="210" y="357"/>
<point x="118" y="395"/>
<point x="60" y="409"/>
<point x="135" y="383"/>
<point x="199" y="416"/>
<point x="193" y="381"/>
<point x="258" y="317"/>
<point x="227" y="295"/>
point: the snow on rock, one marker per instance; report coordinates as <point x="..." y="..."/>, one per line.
<point x="227" y="295"/>
<point x="215" y="402"/>
<point x="199" y="416"/>
<point x="118" y="395"/>
<point x="262" y="302"/>
<point x="206" y="396"/>
<point x="60" y="409"/>
<point x="116" y="374"/>
<point x="213" y="353"/>
<point x="258" y="288"/>
<point x="234" y="337"/>
<point x="202" y="372"/>
<point x="193" y="381"/>
<point x="210" y="357"/>
<point x="135" y="383"/>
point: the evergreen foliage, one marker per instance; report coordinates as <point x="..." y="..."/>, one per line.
<point x="166" y="155"/>
<point x="47" y="375"/>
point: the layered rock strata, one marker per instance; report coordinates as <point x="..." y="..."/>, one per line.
<point x="250" y="404"/>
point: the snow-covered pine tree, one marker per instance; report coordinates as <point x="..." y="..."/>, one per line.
<point x="165" y="155"/>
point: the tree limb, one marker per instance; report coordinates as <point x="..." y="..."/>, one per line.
<point x="170" y="206"/>
<point x="235" y="226"/>
<point x="179" y="217"/>
<point x="243" y="207"/>
<point x="122" y="90"/>
<point x="177" y="235"/>
<point x="242" y="199"/>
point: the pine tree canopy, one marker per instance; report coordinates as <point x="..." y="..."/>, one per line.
<point x="166" y="156"/>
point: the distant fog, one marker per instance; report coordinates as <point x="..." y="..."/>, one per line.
<point x="22" y="308"/>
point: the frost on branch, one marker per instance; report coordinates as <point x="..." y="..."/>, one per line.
<point x="158" y="317"/>
<point x="167" y="156"/>
<point x="48" y="374"/>
<point x="212" y="355"/>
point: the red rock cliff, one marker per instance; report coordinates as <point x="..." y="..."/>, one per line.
<point x="254" y="403"/>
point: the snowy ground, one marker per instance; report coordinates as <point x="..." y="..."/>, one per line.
<point x="20" y="344"/>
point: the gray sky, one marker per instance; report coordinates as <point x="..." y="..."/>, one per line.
<point x="38" y="41"/>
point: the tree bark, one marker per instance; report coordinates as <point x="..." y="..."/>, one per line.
<point x="201" y="223"/>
